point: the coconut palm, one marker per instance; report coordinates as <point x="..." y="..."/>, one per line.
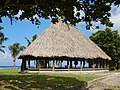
<point x="2" y="39"/>
<point x="15" y="50"/>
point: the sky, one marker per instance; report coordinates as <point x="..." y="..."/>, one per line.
<point x="20" y="29"/>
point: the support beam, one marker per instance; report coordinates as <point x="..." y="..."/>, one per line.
<point x="36" y="63"/>
<point x="45" y="63"/>
<point x="23" y="65"/>
<point x="68" y="64"/>
<point x="93" y="64"/>
<point x="81" y="65"/>
<point x="28" y="64"/>
<point x="101" y="63"/>
<point x="89" y="62"/>
<point x="105" y="64"/>
<point x="54" y="65"/>
<point x="39" y="65"/>
<point x="98" y="63"/>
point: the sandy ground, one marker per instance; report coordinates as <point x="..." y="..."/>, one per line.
<point x="110" y="82"/>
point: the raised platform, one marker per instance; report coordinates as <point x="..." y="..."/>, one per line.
<point x="65" y="69"/>
<point x="69" y="72"/>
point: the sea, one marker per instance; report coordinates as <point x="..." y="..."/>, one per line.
<point x="9" y="67"/>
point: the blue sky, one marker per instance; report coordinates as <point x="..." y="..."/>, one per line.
<point x="21" y="29"/>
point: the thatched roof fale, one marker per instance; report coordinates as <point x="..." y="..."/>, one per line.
<point x="62" y="40"/>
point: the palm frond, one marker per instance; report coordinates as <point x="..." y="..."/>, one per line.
<point x="34" y="37"/>
<point x="2" y="51"/>
<point x="28" y="41"/>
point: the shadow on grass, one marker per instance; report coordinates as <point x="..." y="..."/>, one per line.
<point x="40" y="82"/>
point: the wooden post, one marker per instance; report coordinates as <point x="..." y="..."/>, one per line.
<point x="105" y="64"/>
<point x="45" y="63"/>
<point x="68" y="64"/>
<point x="28" y="63"/>
<point x="39" y="66"/>
<point x="93" y="64"/>
<point x="23" y="65"/>
<point x="98" y="63"/>
<point x="101" y="63"/>
<point x="89" y="62"/>
<point x="48" y="64"/>
<point x="54" y="65"/>
<point x="81" y="65"/>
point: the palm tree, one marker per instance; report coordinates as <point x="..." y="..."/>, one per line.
<point x="15" y="50"/>
<point x="2" y="39"/>
<point x="29" y="42"/>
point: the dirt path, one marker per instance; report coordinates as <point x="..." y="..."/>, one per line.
<point x="110" y="82"/>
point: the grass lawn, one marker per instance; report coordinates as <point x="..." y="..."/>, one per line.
<point x="11" y="79"/>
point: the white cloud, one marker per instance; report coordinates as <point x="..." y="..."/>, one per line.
<point x="7" y="60"/>
<point x="5" y="56"/>
<point x="115" y="17"/>
<point x="19" y="13"/>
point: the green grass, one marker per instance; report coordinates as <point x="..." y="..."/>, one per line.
<point x="115" y="71"/>
<point x="11" y="79"/>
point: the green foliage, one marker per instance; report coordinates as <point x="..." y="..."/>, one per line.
<point x="109" y="41"/>
<point x="33" y="10"/>
<point x="2" y="39"/>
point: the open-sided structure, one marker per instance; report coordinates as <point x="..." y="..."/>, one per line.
<point x="61" y="42"/>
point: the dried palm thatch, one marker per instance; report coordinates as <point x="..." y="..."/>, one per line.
<point x="61" y="40"/>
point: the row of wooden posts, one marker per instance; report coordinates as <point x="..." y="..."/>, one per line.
<point x="99" y="64"/>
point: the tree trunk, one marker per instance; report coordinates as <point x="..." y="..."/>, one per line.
<point x="117" y="66"/>
<point x="14" y="62"/>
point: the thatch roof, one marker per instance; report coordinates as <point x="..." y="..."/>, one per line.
<point x="61" y="40"/>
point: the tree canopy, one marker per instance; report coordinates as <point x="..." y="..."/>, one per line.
<point x="65" y="10"/>
<point x="2" y="39"/>
<point x="109" y="41"/>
